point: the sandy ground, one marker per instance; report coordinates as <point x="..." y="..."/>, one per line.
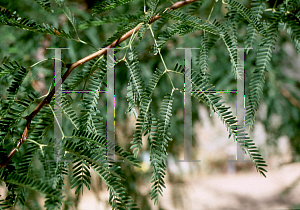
<point x="238" y="191"/>
<point x="229" y="192"/>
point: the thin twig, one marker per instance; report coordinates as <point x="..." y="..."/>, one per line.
<point x="79" y="63"/>
<point x="289" y="97"/>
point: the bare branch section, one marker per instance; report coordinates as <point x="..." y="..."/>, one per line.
<point x="79" y="63"/>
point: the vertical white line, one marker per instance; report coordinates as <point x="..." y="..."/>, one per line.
<point x="58" y="153"/>
<point x="110" y="104"/>
<point x="188" y="127"/>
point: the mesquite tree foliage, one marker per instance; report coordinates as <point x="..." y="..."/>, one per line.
<point x="27" y="118"/>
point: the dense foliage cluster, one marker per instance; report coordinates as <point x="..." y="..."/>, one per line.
<point x="26" y="112"/>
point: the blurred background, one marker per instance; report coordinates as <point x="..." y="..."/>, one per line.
<point x="214" y="183"/>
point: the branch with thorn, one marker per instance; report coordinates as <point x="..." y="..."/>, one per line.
<point x="78" y="63"/>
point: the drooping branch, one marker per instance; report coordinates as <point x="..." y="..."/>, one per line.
<point x="48" y="98"/>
